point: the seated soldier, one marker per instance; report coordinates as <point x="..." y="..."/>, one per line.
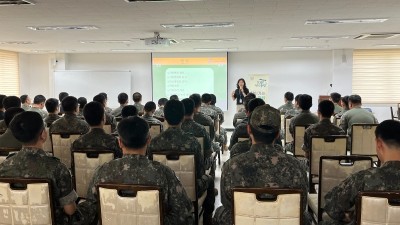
<point x="2" y="110"/>
<point x="288" y="98"/>
<point x="149" y="109"/>
<point x="222" y="131"/>
<point x="205" y="106"/>
<point x="159" y="113"/>
<point x="38" y="105"/>
<point x="263" y="166"/>
<point x="239" y="148"/>
<point x="241" y="116"/>
<point x="129" y="110"/>
<point x="175" y="139"/>
<point x="335" y="98"/>
<point x="110" y="120"/>
<point x="7" y="139"/>
<point x="340" y="201"/>
<point x="52" y="107"/>
<point x="82" y="101"/>
<point x="135" y="168"/>
<point x="174" y="97"/>
<point x="96" y="138"/>
<point x="197" y="130"/>
<point x="26" y="102"/>
<point x="323" y="128"/>
<point x="32" y="162"/>
<point x="200" y="117"/>
<point x="344" y="101"/>
<point x="9" y="102"/>
<point x="123" y="101"/>
<point x="137" y="99"/>
<point x="305" y="117"/>
<point x="61" y="96"/>
<point x="69" y="123"/>
<point x="296" y="110"/>
<point x="106" y="108"/>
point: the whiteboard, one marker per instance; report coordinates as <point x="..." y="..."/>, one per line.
<point x="85" y="83"/>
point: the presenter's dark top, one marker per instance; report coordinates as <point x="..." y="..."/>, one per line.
<point x="238" y="95"/>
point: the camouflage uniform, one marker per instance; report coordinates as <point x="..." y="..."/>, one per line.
<point x="292" y="113"/>
<point x="197" y="130"/>
<point x="219" y="111"/>
<point x="34" y="163"/>
<point x="338" y="108"/>
<point x="107" y="110"/>
<point x="40" y="111"/>
<point x="110" y="120"/>
<point x="356" y="115"/>
<point x="207" y="110"/>
<point x="97" y="139"/>
<point x="205" y="121"/>
<point x="305" y="117"/>
<point x="262" y="166"/>
<point x="69" y="123"/>
<point x="9" y="141"/>
<point x="139" y="107"/>
<point x="117" y="112"/>
<point x="239" y="116"/>
<point x="342" y="198"/>
<point x="137" y="169"/>
<point x="51" y="118"/>
<point x="159" y="112"/>
<point x="3" y="126"/>
<point x="322" y="128"/>
<point x="150" y="119"/>
<point x="286" y="107"/>
<point x="175" y="139"/>
<point x="239" y="132"/>
<point x="222" y="131"/>
<point x="239" y="148"/>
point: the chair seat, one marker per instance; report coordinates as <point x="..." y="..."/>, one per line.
<point x="312" y="200"/>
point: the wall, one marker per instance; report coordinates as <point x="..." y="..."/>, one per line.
<point x="309" y="72"/>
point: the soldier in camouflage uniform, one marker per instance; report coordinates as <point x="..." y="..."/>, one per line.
<point x="222" y="131"/>
<point x="175" y="139"/>
<point x="69" y="123"/>
<point x="6" y="103"/>
<point x="38" y="105"/>
<point x="241" y="130"/>
<point x="239" y="148"/>
<point x="296" y="110"/>
<point x="241" y="115"/>
<point x="135" y="168"/>
<point x="335" y="98"/>
<point x="288" y="98"/>
<point x="160" y="111"/>
<point x="340" y="201"/>
<point x="323" y="128"/>
<point x="96" y="138"/>
<point x="123" y="101"/>
<point x="110" y="120"/>
<point x="32" y="162"/>
<point x="263" y="166"/>
<point x="52" y="107"/>
<point x="7" y="139"/>
<point x="200" y="117"/>
<point x="137" y="99"/>
<point x="205" y="106"/>
<point x="149" y="109"/>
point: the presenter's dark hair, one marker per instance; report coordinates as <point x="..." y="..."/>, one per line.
<point x="51" y="105"/>
<point x="237" y="83"/>
<point x="93" y="113"/>
<point x="69" y="104"/>
<point x="133" y="132"/>
<point x="174" y="112"/>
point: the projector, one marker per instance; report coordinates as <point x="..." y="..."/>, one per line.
<point x="157" y="41"/>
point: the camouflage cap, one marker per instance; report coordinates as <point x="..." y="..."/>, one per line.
<point x="265" y="117"/>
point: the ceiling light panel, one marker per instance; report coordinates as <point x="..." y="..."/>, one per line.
<point x="216" y="49"/>
<point x="16" y="42"/>
<point x="304" y="47"/>
<point x="106" y="42"/>
<point x="320" y="37"/>
<point x="209" y="40"/>
<point x="388" y="45"/>
<point x="345" y="21"/>
<point x="132" y="50"/>
<point x="15" y="2"/>
<point x="199" y="25"/>
<point x="133" y="1"/>
<point x="72" y="27"/>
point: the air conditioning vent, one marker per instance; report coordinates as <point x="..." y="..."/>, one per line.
<point x="15" y="2"/>
<point x="377" y="36"/>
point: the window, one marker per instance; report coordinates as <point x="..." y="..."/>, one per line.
<point x="9" y="73"/>
<point x="376" y="75"/>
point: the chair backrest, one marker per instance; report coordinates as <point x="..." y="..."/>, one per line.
<point x="61" y="145"/>
<point x="154" y="129"/>
<point x="282" y="122"/>
<point x="363" y="139"/>
<point x="298" y="141"/>
<point x="123" y="204"/>
<point x="47" y="145"/>
<point x="216" y="124"/>
<point x="201" y="141"/>
<point x="334" y="169"/>
<point x="243" y="139"/>
<point x="334" y="145"/>
<point x="288" y="136"/>
<point x="4" y="152"/>
<point x="107" y="128"/>
<point x="26" y="201"/>
<point x="380" y="207"/>
<point x="84" y="163"/>
<point x="253" y="206"/>
<point x="165" y="124"/>
<point x="184" y="166"/>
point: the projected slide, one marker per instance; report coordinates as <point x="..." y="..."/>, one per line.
<point x="184" y="76"/>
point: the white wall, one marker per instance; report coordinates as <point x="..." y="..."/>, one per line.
<point x="301" y="72"/>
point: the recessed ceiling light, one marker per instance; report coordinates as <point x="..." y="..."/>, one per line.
<point x="72" y="27"/>
<point x="303" y="47"/>
<point x="43" y="51"/>
<point x="132" y="50"/>
<point x="209" y="40"/>
<point x="105" y="41"/>
<point x="345" y="21"/>
<point x="388" y="45"/>
<point x="15" y="2"/>
<point x="216" y="49"/>
<point x="132" y="1"/>
<point x="199" y="25"/>
<point x="320" y="37"/>
<point x="16" y="42"/>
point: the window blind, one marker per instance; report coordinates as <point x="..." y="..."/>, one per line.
<point x="9" y="73"/>
<point x="376" y="75"/>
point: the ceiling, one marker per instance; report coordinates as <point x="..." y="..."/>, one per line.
<point x="259" y="25"/>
